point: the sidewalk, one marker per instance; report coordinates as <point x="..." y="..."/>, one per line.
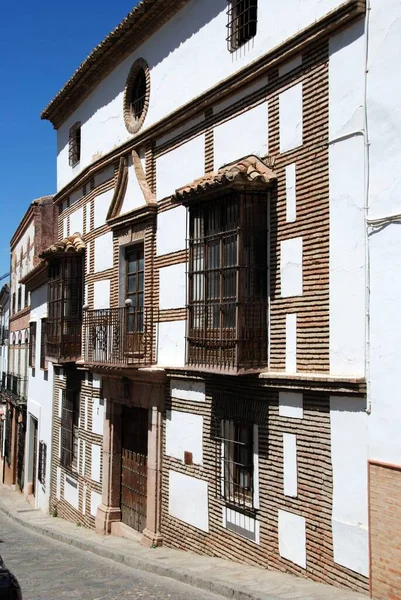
<point x="219" y="576"/>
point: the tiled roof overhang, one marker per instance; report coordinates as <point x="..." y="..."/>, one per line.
<point x="73" y="244"/>
<point x="143" y="20"/>
<point x="249" y="171"/>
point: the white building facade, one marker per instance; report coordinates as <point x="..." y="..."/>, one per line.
<point x="231" y="189"/>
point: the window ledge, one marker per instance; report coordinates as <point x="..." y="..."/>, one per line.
<point x="315" y="382"/>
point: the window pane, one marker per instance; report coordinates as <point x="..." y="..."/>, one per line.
<point x="131" y="284"/>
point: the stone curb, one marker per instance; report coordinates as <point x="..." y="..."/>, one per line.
<point x="141" y="564"/>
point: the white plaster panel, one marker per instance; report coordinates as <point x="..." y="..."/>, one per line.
<point x="289" y="66"/>
<point x="346" y="85"/>
<point x="58" y="483"/>
<point x="290" y="465"/>
<point x="88" y="257"/>
<point x="77" y="221"/>
<point x="104" y="175"/>
<point x="180" y="166"/>
<point x="86" y="298"/>
<point x="290" y="193"/>
<point x="351" y="546"/>
<point x="171" y="344"/>
<point x="98" y="416"/>
<point x="65" y="227"/>
<point x="133" y="195"/>
<point x="291" y="267"/>
<point x="230" y="100"/>
<point x="86" y="408"/>
<point x="182" y="389"/>
<point x="103" y="248"/>
<point x="180" y="130"/>
<point x="347" y="257"/>
<point x="172" y="286"/>
<point x="171" y="230"/>
<point x="101" y="294"/>
<point x="349" y="450"/>
<point x="96" y="381"/>
<point x="184" y="432"/>
<point x="292" y="537"/>
<point x="84" y="492"/>
<point x="60" y="403"/>
<point x="291" y="343"/>
<point x="96" y="500"/>
<point x="188" y="500"/>
<point x="88" y="217"/>
<point x="242" y="135"/>
<point x="291" y="405"/>
<point x="95" y="466"/>
<point x="290" y="118"/>
<point x="101" y="207"/>
<point x="83" y="461"/>
<point x="71" y="491"/>
<point x="75" y="196"/>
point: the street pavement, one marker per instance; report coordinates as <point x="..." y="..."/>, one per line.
<point x="49" y="570"/>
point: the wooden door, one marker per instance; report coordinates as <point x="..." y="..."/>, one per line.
<point x="35" y="455"/>
<point x="134" y="453"/>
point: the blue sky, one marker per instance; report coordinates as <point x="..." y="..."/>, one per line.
<point x="41" y="44"/>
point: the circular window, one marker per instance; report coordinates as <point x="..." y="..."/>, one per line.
<point x="136" y="96"/>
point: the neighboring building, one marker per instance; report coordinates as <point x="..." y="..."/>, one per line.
<point x="4" y="337"/>
<point x="40" y="394"/>
<point x="35" y="232"/>
<point x="221" y="323"/>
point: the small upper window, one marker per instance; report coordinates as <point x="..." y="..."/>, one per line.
<point x="242" y="22"/>
<point x="136" y="97"/>
<point x="74" y="148"/>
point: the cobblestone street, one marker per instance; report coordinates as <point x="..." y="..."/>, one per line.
<point x="49" y="570"/>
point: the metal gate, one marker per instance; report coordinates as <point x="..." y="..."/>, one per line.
<point x="21" y="452"/>
<point x="134" y="467"/>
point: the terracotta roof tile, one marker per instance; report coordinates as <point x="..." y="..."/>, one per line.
<point x="72" y="243"/>
<point x="247" y="170"/>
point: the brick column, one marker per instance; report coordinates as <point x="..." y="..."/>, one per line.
<point x="151" y="535"/>
<point x="110" y="510"/>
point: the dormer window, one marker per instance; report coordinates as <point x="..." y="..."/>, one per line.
<point x="74" y="147"/>
<point x="242" y="22"/>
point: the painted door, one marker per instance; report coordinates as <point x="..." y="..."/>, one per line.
<point x="134" y="453"/>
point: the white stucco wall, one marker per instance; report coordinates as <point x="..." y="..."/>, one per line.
<point x="101" y="207"/>
<point x="292" y="537"/>
<point x="349" y="450"/>
<point x="347" y="199"/>
<point x="101" y="294"/>
<point x="172" y="286"/>
<point x="198" y="30"/>
<point x="103" y="249"/>
<point x="180" y="166"/>
<point x="291" y="267"/>
<point x="171" y="344"/>
<point x="40" y="402"/>
<point x="184" y="433"/>
<point x="77" y="221"/>
<point x="171" y="230"/>
<point x="193" y="391"/>
<point x="384" y="119"/>
<point x="188" y="500"/>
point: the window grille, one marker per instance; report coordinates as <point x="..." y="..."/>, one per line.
<point x="138" y="94"/>
<point x="43" y="361"/>
<point x="42" y="462"/>
<point x="19" y="296"/>
<point x="74" y="146"/>
<point x="69" y="428"/>
<point x="32" y="345"/>
<point x="134" y="260"/>
<point x="242" y="22"/>
<point x="228" y="282"/>
<point x="236" y="463"/>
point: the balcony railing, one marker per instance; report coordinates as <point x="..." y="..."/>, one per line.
<point x="118" y="337"/>
<point x="15" y="385"/>
<point x="63" y="339"/>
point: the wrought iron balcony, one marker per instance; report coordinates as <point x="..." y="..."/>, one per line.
<point x="15" y="385"/>
<point x="118" y="337"/>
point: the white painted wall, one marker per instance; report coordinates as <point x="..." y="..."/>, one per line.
<point x="349" y="450"/>
<point x="291" y="343"/>
<point x="290" y="193"/>
<point x="347" y="182"/>
<point x="184" y="433"/>
<point x="96" y="500"/>
<point x="188" y="500"/>
<point x="290" y="465"/>
<point x="172" y="286"/>
<point x="291" y="118"/>
<point x="40" y="402"/>
<point x="291" y="405"/>
<point x="101" y="294"/>
<point x="171" y="344"/>
<point x="242" y="135"/>
<point x="133" y="195"/>
<point x="101" y="207"/>
<point x="103" y="249"/>
<point x="291" y="267"/>
<point x="71" y="491"/>
<point x="182" y="389"/>
<point x="95" y="465"/>
<point x="77" y="221"/>
<point x="198" y="32"/>
<point x="171" y="230"/>
<point x="98" y="409"/>
<point x="292" y="537"/>
<point x="180" y="166"/>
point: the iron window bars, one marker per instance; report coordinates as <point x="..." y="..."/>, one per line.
<point x="42" y="462"/>
<point x="43" y="361"/>
<point x="74" y="145"/>
<point x="138" y="94"/>
<point x="69" y="428"/>
<point x="228" y="282"/>
<point x="236" y="458"/>
<point x="32" y="345"/>
<point x="242" y="22"/>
